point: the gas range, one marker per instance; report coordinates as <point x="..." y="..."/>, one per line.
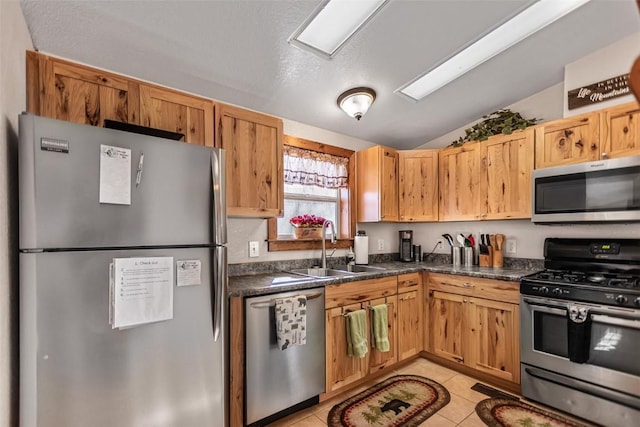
<point x="589" y="270"/>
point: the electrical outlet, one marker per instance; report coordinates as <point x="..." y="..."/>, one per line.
<point x="511" y="247"/>
<point x="254" y="249"/>
<point x="381" y="244"/>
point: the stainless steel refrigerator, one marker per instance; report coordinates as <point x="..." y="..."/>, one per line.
<point x="79" y="213"/>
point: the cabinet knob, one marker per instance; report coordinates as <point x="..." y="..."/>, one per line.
<point x="604" y="155"/>
<point x="483" y="216"/>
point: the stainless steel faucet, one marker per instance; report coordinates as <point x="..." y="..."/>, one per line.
<point x="324" y="238"/>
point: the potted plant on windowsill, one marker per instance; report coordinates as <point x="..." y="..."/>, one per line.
<point x="307" y="226"/>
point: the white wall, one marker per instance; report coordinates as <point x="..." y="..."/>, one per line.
<point x="14" y="40"/>
<point x="610" y="61"/>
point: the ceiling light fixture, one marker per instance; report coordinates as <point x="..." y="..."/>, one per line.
<point x="356" y="102"/>
<point x="526" y="23"/>
<point x="332" y="24"/>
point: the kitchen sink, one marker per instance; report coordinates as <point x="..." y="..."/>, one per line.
<point x="336" y="271"/>
<point x="358" y="268"/>
<point x="320" y="272"/>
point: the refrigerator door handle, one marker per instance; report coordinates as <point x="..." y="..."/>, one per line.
<point x="218" y="179"/>
<point x="219" y="286"/>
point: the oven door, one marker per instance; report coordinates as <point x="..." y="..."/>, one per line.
<point x="597" y="344"/>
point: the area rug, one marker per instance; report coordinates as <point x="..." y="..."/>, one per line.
<point x="401" y="400"/>
<point x="513" y="413"/>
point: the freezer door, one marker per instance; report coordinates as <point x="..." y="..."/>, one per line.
<point x="59" y="190"/>
<point x="78" y="371"/>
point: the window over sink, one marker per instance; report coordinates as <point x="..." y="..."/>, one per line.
<point x="319" y="180"/>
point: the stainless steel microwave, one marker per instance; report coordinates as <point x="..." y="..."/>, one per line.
<point x="604" y="190"/>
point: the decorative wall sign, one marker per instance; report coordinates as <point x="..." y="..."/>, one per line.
<point x="599" y="92"/>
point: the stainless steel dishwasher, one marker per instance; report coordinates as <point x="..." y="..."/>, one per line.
<point x="280" y="380"/>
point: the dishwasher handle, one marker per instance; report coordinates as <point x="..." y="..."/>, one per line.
<point x="272" y="302"/>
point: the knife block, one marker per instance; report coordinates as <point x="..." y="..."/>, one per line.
<point x="497" y="259"/>
<point x="486" y="260"/>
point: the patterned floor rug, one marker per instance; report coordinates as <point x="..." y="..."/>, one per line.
<point x="402" y="400"/>
<point x="512" y="413"/>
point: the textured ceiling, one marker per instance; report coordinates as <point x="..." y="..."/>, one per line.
<point x="236" y="51"/>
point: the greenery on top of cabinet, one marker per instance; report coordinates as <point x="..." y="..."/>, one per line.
<point x="503" y="121"/>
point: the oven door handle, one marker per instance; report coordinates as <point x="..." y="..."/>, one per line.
<point x="551" y="309"/>
<point x="616" y="321"/>
<point x="583" y="387"/>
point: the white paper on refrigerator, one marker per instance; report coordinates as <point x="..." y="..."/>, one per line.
<point x="188" y="272"/>
<point x="115" y="175"/>
<point x="142" y="291"/>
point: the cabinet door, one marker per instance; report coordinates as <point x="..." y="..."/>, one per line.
<point x="389" y="185"/>
<point x="493" y="344"/>
<point x="79" y="94"/>
<point x="176" y="112"/>
<point x="253" y="143"/>
<point x="341" y="368"/>
<point x="380" y="360"/>
<point x="446" y="323"/>
<point x="507" y="163"/>
<point x="459" y="191"/>
<point x="572" y="140"/>
<point x="409" y="324"/>
<point x="418" y="185"/>
<point x="620" y="128"/>
<point x="377" y="184"/>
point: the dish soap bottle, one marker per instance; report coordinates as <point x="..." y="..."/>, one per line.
<point x="351" y="257"/>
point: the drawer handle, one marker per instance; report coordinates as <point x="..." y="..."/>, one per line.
<point x="464" y="285"/>
<point x="272" y="303"/>
<point x="409" y="282"/>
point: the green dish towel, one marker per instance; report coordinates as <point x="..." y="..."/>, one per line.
<point x="380" y="327"/>
<point x="357" y="333"/>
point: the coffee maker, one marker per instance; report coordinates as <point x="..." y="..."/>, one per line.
<point x="406" y="245"/>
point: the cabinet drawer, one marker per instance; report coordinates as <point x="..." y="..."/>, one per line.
<point x="409" y="282"/>
<point x="497" y="290"/>
<point x="363" y="290"/>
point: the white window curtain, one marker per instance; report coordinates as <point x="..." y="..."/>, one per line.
<point x="309" y="167"/>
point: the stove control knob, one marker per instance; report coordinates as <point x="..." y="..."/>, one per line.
<point x="621" y="299"/>
<point x="544" y="290"/>
<point x="557" y="292"/>
<point x="636" y="302"/>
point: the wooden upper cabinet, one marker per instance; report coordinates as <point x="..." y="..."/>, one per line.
<point x="253" y="144"/>
<point x="460" y="183"/>
<point x="418" y="185"/>
<point x="178" y="112"/>
<point x="377" y="184"/>
<point x="506" y="164"/>
<point x="75" y="93"/>
<point x="620" y="130"/>
<point x="566" y="141"/>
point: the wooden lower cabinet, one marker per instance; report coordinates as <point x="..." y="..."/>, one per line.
<point x="341" y="369"/>
<point x="410" y="315"/>
<point x="493" y="344"/>
<point x="480" y="333"/>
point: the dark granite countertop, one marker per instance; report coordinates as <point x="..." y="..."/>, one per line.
<point x="275" y="282"/>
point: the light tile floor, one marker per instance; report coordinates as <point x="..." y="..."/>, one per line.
<point x="459" y="412"/>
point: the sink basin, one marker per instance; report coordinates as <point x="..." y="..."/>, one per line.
<point x="320" y="272"/>
<point x="358" y="268"/>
